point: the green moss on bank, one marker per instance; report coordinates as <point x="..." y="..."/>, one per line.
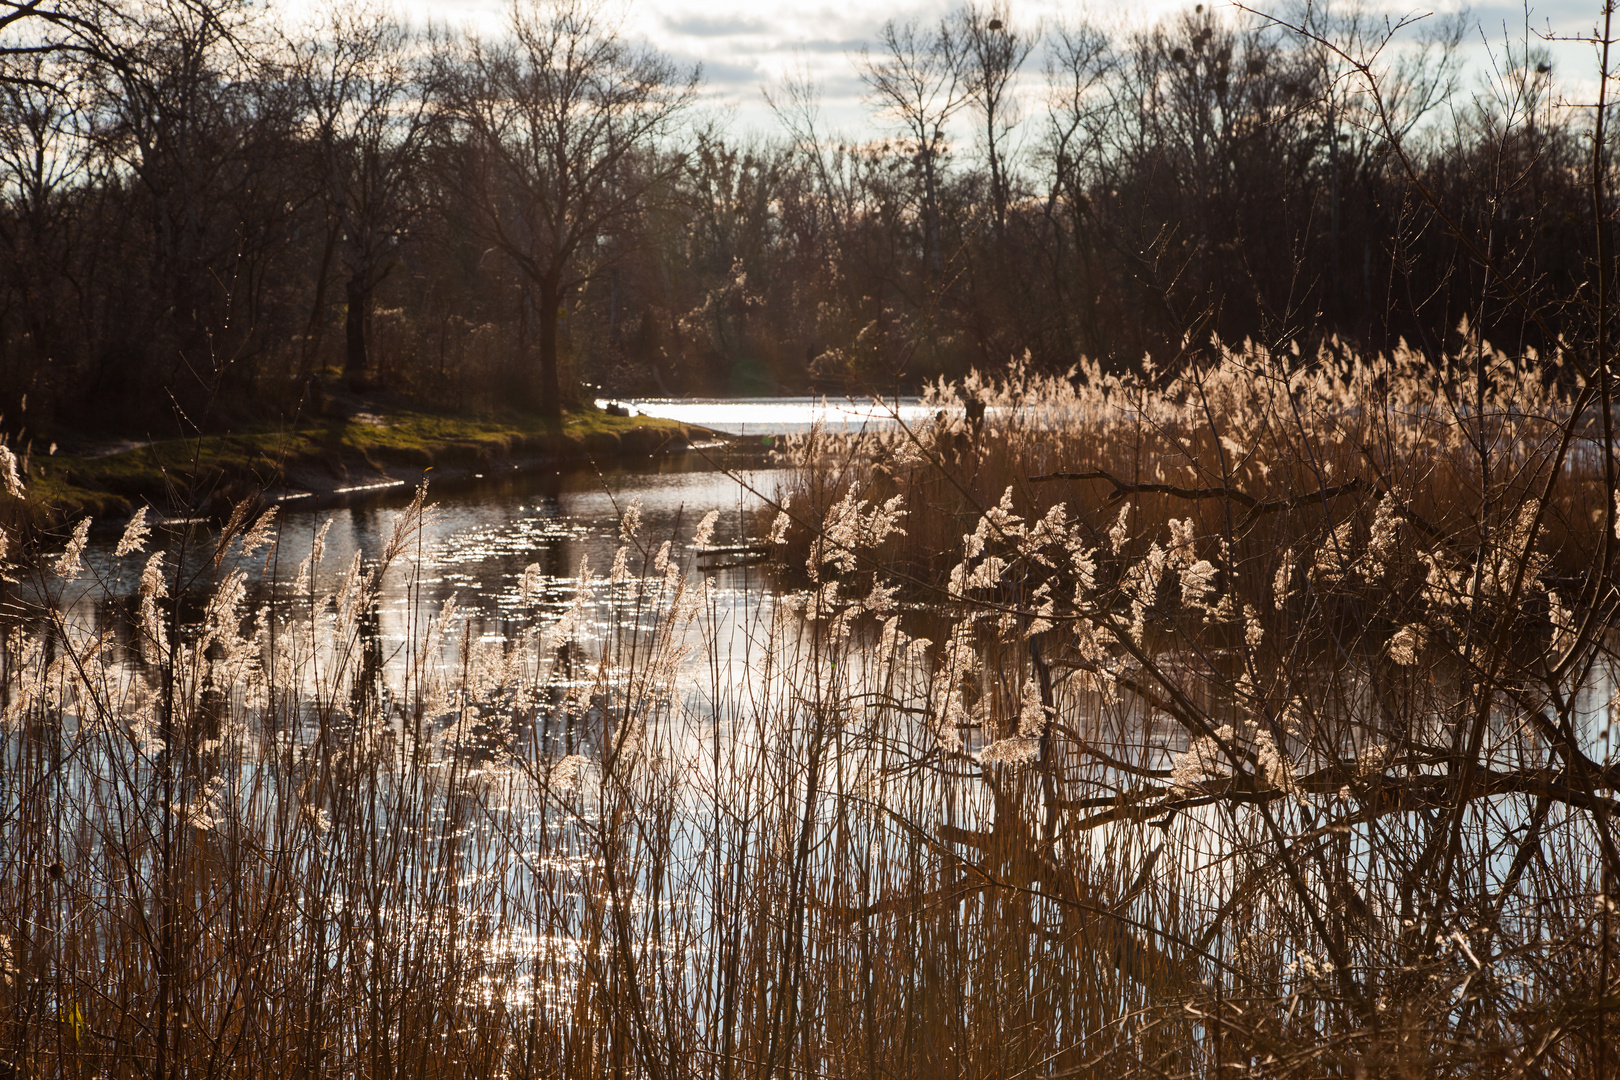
<point x="198" y="472"/>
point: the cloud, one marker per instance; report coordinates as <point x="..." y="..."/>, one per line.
<point x="709" y="26"/>
<point x="829" y="45"/>
<point x="724" y="74"/>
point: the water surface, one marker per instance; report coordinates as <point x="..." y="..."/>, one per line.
<point x="474" y="546"/>
<point x="784" y="415"/>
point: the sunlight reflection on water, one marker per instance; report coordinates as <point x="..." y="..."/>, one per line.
<point x="476" y="544"/>
<point x="783" y="416"/>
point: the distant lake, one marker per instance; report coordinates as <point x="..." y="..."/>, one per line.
<point x="781" y="415"/>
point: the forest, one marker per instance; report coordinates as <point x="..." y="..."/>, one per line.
<point x="211" y="221"/>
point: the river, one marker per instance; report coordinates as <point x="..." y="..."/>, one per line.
<point x="477" y="540"/>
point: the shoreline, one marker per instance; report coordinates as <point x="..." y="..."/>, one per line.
<point x="334" y="464"/>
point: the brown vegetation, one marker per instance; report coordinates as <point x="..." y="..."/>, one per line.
<point x="1285" y="745"/>
<point x="1289" y="686"/>
<point x="1252" y="711"/>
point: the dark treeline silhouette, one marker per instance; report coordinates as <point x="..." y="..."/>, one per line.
<point x="208" y="220"/>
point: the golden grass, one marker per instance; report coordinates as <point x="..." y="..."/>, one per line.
<point x="1012" y="793"/>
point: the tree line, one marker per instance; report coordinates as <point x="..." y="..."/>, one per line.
<point x="209" y="219"/>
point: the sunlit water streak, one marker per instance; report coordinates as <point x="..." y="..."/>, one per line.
<point x="786" y="416"/>
<point x="473" y="548"/>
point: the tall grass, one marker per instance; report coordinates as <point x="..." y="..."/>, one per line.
<point x="1282" y="747"/>
<point x="1291" y="680"/>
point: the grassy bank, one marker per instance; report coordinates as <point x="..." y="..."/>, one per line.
<point x="209" y="473"/>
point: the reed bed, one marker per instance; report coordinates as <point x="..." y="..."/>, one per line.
<point x="1251" y="720"/>
<point x="1291" y="678"/>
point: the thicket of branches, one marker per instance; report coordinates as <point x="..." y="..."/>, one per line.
<point x="203" y="210"/>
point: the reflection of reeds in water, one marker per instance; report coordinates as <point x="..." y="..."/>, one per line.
<point x="1302" y="776"/>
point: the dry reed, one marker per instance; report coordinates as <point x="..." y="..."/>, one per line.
<point x="1281" y="747"/>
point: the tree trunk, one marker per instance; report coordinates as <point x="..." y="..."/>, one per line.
<point x="354" y="356"/>
<point x="998" y="179"/>
<point x="317" y="312"/>
<point x="932" y="242"/>
<point x="550" y="383"/>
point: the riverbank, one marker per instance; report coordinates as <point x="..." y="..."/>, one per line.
<point x="331" y="461"/>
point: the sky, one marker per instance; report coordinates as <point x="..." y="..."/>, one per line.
<point x="746" y="47"/>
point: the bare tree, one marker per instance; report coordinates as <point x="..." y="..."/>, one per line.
<point x="1414" y="82"/>
<point x="918" y="79"/>
<point x="562" y="128"/>
<point x="173" y="105"/>
<point x="359" y="88"/>
<point x="797" y="105"/>
<point x="44" y="156"/>
<point x="1079" y="65"/>
<point x="994" y="51"/>
<point x="35" y="28"/>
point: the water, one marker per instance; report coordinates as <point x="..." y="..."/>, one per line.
<point x="476" y="544"/>
<point x="784" y="416"/>
<point x="478" y="540"/>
